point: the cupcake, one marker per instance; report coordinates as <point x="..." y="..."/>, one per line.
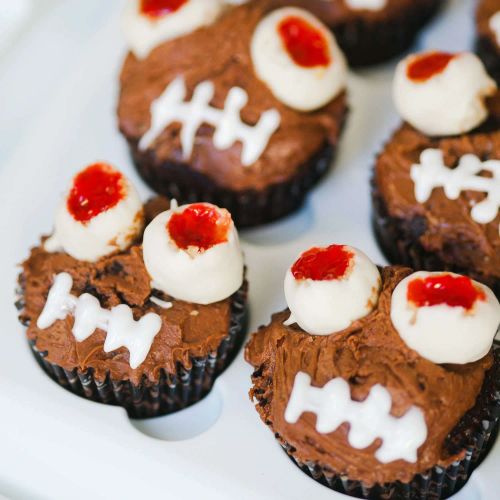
<point x="372" y="31"/>
<point x="244" y="109"/>
<point x="141" y="317"/>
<point x="488" y="35"/>
<point x="436" y="183"/>
<point x="379" y="383"/>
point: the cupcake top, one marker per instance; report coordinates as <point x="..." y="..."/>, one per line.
<point x="397" y="392"/>
<point x="448" y="184"/>
<point x="488" y="21"/>
<point x="245" y="116"/>
<point x="95" y="297"/>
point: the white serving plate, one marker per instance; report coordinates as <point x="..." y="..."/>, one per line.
<point x="56" y="445"/>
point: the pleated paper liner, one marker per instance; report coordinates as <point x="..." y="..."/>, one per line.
<point x="172" y="392"/>
<point x="248" y="208"/>
<point x="366" y="43"/>
<point x="475" y="434"/>
<point x="398" y="240"/>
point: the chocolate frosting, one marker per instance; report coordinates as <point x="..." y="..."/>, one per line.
<point x="338" y="12"/>
<point x="221" y="53"/>
<point x="187" y="331"/>
<point x="369" y="352"/>
<point x="447" y="227"/>
<point x="485" y="10"/>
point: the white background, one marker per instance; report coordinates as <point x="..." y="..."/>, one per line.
<point x="58" y="88"/>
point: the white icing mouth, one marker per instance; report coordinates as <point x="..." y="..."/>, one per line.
<point x="368" y="420"/>
<point x="171" y="107"/>
<point x="432" y="173"/>
<point x="122" y="330"/>
<point x="366" y="4"/>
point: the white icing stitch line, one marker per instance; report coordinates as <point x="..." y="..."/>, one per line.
<point x="369" y="419"/>
<point x="122" y="330"/>
<point x="432" y="173"/>
<point x="171" y="107"/>
<point x="161" y="303"/>
<point x="367" y="4"/>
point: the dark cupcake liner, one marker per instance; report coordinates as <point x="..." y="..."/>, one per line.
<point x="172" y="392"/>
<point x="490" y="55"/>
<point x="249" y="207"/>
<point x="399" y="240"/>
<point x="366" y="43"/>
<point x="475" y="435"/>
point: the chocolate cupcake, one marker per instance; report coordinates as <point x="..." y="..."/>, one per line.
<point x="379" y="383"/>
<point x="488" y="35"/>
<point x="147" y="326"/>
<point x="372" y="31"/>
<point x="436" y="184"/>
<point x="244" y="112"/>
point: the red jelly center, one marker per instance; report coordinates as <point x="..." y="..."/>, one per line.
<point x="306" y="45"/>
<point x="158" y="8"/>
<point x="199" y="225"/>
<point x="426" y="66"/>
<point x="321" y="264"/>
<point x="96" y="189"/>
<point x="455" y="291"/>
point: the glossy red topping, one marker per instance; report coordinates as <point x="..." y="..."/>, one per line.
<point x="96" y="189"/>
<point x="454" y="291"/>
<point x="158" y="8"/>
<point x="199" y="225"/>
<point x="306" y="45"/>
<point x="424" y="67"/>
<point x="321" y="264"/>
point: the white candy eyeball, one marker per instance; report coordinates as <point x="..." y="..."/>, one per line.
<point x="445" y="317"/>
<point x="101" y="214"/>
<point x="442" y="94"/>
<point x="328" y="288"/>
<point x="192" y="253"/>
<point x="148" y="23"/>
<point x="297" y="57"/>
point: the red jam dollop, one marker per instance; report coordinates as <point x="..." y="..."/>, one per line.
<point x="306" y="45"/>
<point x="96" y="189"/>
<point x="159" y="8"/>
<point x="424" y="67"/>
<point x="199" y="225"/>
<point x="454" y="291"/>
<point x="322" y="264"/>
